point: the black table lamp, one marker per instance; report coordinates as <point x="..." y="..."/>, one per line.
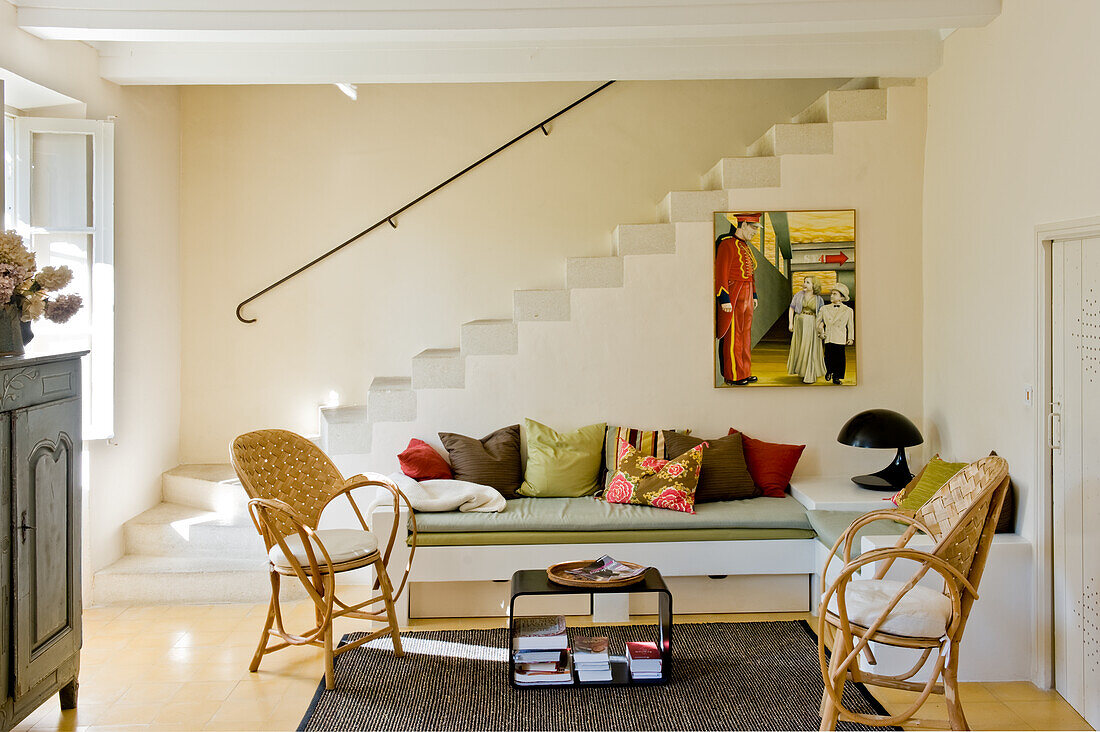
<point x="885" y="429"/>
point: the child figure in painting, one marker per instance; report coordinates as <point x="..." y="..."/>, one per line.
<point x="805" y="358"/>
<point x="836" y="325"/>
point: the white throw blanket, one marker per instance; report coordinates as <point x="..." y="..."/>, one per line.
<point x="449" y="495"/>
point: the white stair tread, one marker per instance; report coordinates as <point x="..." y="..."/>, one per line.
<point x="211" y="472"/>
<point x="139" y="564"/>
<point x="170" y="513"/>
<point x="391" y="383"/>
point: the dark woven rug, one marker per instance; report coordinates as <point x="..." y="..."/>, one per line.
<point x="725" y="676"/>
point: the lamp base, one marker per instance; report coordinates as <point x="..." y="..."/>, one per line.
<point x="893" y="477"/>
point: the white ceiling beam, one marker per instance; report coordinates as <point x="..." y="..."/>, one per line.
<point x="281" y="21"/>
<point x="911" y="53"/>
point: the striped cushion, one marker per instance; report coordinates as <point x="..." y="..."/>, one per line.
<point x="647" y="442"/>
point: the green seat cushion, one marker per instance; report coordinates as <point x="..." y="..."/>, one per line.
<point x="935" y="474"/>
<point x="591" y="514"/>
<point x="502" y="538"/>
<point x="830" y="525"/>
<point x="562" y="463"/>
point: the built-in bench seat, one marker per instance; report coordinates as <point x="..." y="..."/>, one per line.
<point x="589" y="520"/>
<point x="830" y="525"/>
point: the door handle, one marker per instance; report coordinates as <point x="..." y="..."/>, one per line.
<point x="24" y="527"/>
<point x="1054" y="436"/>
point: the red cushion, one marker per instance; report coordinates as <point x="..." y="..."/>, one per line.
<point x="420" y="461"/>
<point x="771" y="464"/>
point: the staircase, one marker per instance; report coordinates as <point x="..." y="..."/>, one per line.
<point x="200" y="546"/>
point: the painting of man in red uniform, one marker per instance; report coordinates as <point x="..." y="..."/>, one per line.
<point x="736" y="299"/>
<point x="773" y="273"/>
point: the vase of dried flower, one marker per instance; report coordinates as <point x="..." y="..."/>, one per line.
<point x="11" y="331"/>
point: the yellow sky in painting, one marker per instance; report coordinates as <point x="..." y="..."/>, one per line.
<point x="821" y="226"/>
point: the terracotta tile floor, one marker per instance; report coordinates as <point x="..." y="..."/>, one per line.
<point x="186" y="668"/>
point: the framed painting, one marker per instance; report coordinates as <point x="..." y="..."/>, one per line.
<point x="785" y="298"/>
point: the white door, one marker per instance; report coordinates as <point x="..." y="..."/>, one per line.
<point x="1075" y="434"/>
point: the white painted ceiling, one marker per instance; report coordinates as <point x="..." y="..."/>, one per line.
<point x="304" y="41"/>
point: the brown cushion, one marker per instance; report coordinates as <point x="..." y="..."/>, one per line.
<point x="493" y="460"/>
<point x="725" y="475"/>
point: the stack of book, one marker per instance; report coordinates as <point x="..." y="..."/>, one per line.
<point x="644" y="660"/>
<point x="591" y="659"/>
<point x="540" y="649"/>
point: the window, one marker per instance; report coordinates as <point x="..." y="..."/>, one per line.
<point x="62" y="191"/>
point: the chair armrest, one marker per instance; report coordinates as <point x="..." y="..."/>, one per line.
<point x="390" y="521"/>
<point x="886" y="514"/>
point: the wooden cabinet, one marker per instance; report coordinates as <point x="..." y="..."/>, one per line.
<point x="40" y="495"/>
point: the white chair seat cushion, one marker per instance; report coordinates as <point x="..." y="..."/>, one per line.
<point x="343" y="545"/>
<point x="921" y="613"/>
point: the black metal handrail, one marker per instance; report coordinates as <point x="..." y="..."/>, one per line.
<point x="390" y="218"/>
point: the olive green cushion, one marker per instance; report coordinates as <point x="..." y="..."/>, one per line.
<point x="935" y="474"/>
<point x="561" y="464"/>
<point x="592" y="514"/>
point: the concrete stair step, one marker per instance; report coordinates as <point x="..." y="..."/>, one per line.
<point x="731" y="173"/>
<point x="853" y="105"/>
<point x="584" y="272"/>
<point x="645" y="239"/>
<point x="149" y="580"/>
<point x="211" y="487"/>
<point x="490" y="338"/>
<point x="551" y="305"/>
<point x="174" y="530"/>
<point x="439" y="368"/>
<point x="794" y="139"/>
<point x="345" y="430"/>
<point x="391" y="399"/>
<point x="692" y="205"/>
<point x="876" y="82"/>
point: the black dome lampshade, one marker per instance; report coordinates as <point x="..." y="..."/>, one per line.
<point x="884" y="429"/>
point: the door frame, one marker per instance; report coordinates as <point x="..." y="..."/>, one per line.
<point x="1043" y="521"/>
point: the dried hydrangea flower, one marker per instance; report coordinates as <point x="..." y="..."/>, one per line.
<point x="34" y="305"/>
<point x="10" y="276"/>
<point x="54" y="278"/>
<point x="14" y="252"/>
<point x="63" y="307"/>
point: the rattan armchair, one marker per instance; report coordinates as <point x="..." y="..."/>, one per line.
<point x="290" y="482"/>
<point x="961" y="519"/>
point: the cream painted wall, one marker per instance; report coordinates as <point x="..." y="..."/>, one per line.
<point x="274" y="175"/>
<point x="1011" y="145"/>
<point x="125" y="472"/>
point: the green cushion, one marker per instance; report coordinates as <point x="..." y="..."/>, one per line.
<point x="592" y="514"/>
<point x="935" y="474"/>
<point x="830" y="525"/>
<point x="562" y="463"/>
<point x="502" y="538"/>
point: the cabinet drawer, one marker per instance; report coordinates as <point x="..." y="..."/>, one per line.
<point x="38" y="384"/>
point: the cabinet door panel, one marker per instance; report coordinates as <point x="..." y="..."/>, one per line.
<point x="46" y="538"/>
<point x="5" y="553"/>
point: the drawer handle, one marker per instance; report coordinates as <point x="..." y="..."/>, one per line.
<point x="24" y="527"/>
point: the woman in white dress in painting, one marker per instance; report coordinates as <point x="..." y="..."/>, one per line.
<point x="806" y="358"/>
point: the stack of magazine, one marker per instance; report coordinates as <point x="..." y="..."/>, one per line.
<point x="605" y="569"/>
<point x="540" y="649"/>
<point x="591" y="659"/>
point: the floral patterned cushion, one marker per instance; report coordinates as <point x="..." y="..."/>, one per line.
<point x="649" y="481"/>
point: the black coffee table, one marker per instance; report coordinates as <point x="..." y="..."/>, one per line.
<point x="535" y="582"/>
